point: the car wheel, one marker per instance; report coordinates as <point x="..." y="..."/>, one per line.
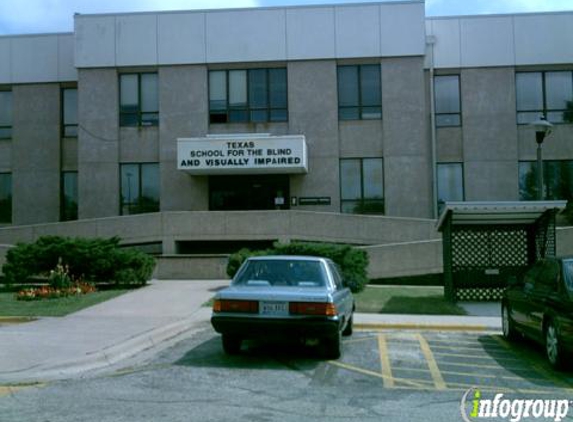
<point x="348" y="329"/>
<point x="507" y="323"/>
<point x="333" y="346"/>
<point x="553" y="347"/>
<point x="231" y="344"/>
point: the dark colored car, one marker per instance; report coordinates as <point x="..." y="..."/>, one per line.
<point x="285" y="297"/>
<point x="540" y="306"/>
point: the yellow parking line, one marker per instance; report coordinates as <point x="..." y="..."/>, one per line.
<point x="490" y="343"/>
<point x="456" y="347"/>
<point x="418" y="384"/>
<point x="475" y="357"/>
<point x="385" y="362"/>
<point x="479" y="365"/>
<point x="357" y="340"/>
<point x="432" y="365"/>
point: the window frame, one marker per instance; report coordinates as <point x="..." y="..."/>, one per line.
<point x="248" y="108"/>
<point x="11" y="126"/>
<point x="463" y="181"/>
<point x="9" y="200"/>
<point x="360" y="105"/>
<point x="63" y="214"/>
<point x="63" y="124"/>
<point x="362" y="201"/>
<point x="136" y="206"/>
<point x="545" y="111"/>
<point x="459" y="113"/>
<point x="139" y="112"/>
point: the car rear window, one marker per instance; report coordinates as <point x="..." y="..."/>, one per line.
<point x="282" y="272"/>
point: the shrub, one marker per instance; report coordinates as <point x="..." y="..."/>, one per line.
<point x="353" y="262"/>
<point x="93" y="260"/>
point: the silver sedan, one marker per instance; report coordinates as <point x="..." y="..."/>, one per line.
<point x="277" y="296"/>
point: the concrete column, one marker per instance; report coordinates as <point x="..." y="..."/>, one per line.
<point x="98" y="143"/>
<point x="36" y="153"/>
<point x="407" y="158"/>
<point x="489" y="134"/>
<point x="313" y="112"/>
<point x="184" y="113"/>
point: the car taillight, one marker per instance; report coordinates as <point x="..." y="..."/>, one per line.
<point x="312" y="308"/>
<point x="246" y="306"/>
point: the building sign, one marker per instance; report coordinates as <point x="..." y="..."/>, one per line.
<point x="314" y="200"/>
<point x="242" y="154"/>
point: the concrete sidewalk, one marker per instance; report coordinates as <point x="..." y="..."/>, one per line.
<point x="147" y="320"/>
<point x="104" y="334"/>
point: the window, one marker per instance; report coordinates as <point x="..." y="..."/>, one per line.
<point x="5" y="114"/>
<point x="70" y="112"/>
<point x="139" y="188"/>
<point x="557" y="180"/>
<point x="69" y="195"/>
<point x="450" y="183"/>
<point x="139" y="99"/>
<point x="543" y="93"/>
<point x="362" y="186"/>
<point x="359" y="92"/>
<point x="5" y="197"/>
<point x="447" y="100"/>
<point x="254" y="95"/>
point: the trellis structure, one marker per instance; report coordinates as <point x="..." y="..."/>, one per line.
<point x="486" y="243"/>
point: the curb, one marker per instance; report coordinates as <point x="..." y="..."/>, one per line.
<point x="15" y="319"/>
<point x="108" y="356"/>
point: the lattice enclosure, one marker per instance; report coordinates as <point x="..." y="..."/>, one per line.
<point x="479" y="259"/>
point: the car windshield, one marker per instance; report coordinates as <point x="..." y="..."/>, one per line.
<point x="281" y="272"/>
<point x="568" y="274"/>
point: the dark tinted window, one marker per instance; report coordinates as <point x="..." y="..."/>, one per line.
<point x="359" y="92"/>
<point x="138" y="99"/>
<point x="5" y="197"/>
<point x="139" y="188"/>
<point x="5" y="114"/>
<point x="447" y="100"/>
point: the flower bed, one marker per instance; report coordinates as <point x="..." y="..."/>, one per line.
<point x="48" y="292"/>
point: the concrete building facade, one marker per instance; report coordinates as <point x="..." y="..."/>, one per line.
<point x="392" y="112"/>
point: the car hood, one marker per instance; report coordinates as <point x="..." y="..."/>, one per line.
<point x="279" y="293"/>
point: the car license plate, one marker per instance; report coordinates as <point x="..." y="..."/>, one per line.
<point x="273" y="308"/>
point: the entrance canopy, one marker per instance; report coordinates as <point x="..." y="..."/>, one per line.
<point x="243" y="154"/>
<point x="486" y="243"/>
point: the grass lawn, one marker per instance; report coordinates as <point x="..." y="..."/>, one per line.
<point x="405" y="300"/>
<point x="9" y="306"/>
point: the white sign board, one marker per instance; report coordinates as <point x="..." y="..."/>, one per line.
<point x="242" y="155"/>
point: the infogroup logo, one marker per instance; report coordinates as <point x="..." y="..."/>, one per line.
<point x="474" y="407"/>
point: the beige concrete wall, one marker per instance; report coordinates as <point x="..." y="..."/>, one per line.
<point x="36" y="153"/>
<point x="182" y="267"/>
<point x="98" y="143"/>
<point x="489" y="134"/>
<point x="407" y="160"/>
<point x="313" y="112"/>
<point x="405" y="259"/>
<point x="168" y="227"/>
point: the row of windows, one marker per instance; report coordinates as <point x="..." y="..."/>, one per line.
<point x="261" y="95"/>
<point x="537" y="93"/>
<point x="361" y="186"/>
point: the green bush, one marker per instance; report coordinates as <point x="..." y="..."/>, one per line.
<point x="353" y="262"/>
<point x="95" y="260"/>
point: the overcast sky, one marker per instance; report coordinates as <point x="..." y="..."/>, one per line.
<point x="37" y="16"/>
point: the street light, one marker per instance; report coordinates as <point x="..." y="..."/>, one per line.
<point x="542" y="129"/>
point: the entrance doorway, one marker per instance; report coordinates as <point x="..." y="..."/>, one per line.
<point x="251" y="192"/>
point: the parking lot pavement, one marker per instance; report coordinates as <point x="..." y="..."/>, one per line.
<point x="433" y="360"/>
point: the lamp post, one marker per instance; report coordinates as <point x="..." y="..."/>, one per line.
<point x="542" y="129"/>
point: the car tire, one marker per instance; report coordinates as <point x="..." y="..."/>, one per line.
<point x="507" y="324"/>
<point x="553" y="347"/>
<point x="333" y="346"/>
<point x="231" y="344"/>
<point x="349" y="327"/>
